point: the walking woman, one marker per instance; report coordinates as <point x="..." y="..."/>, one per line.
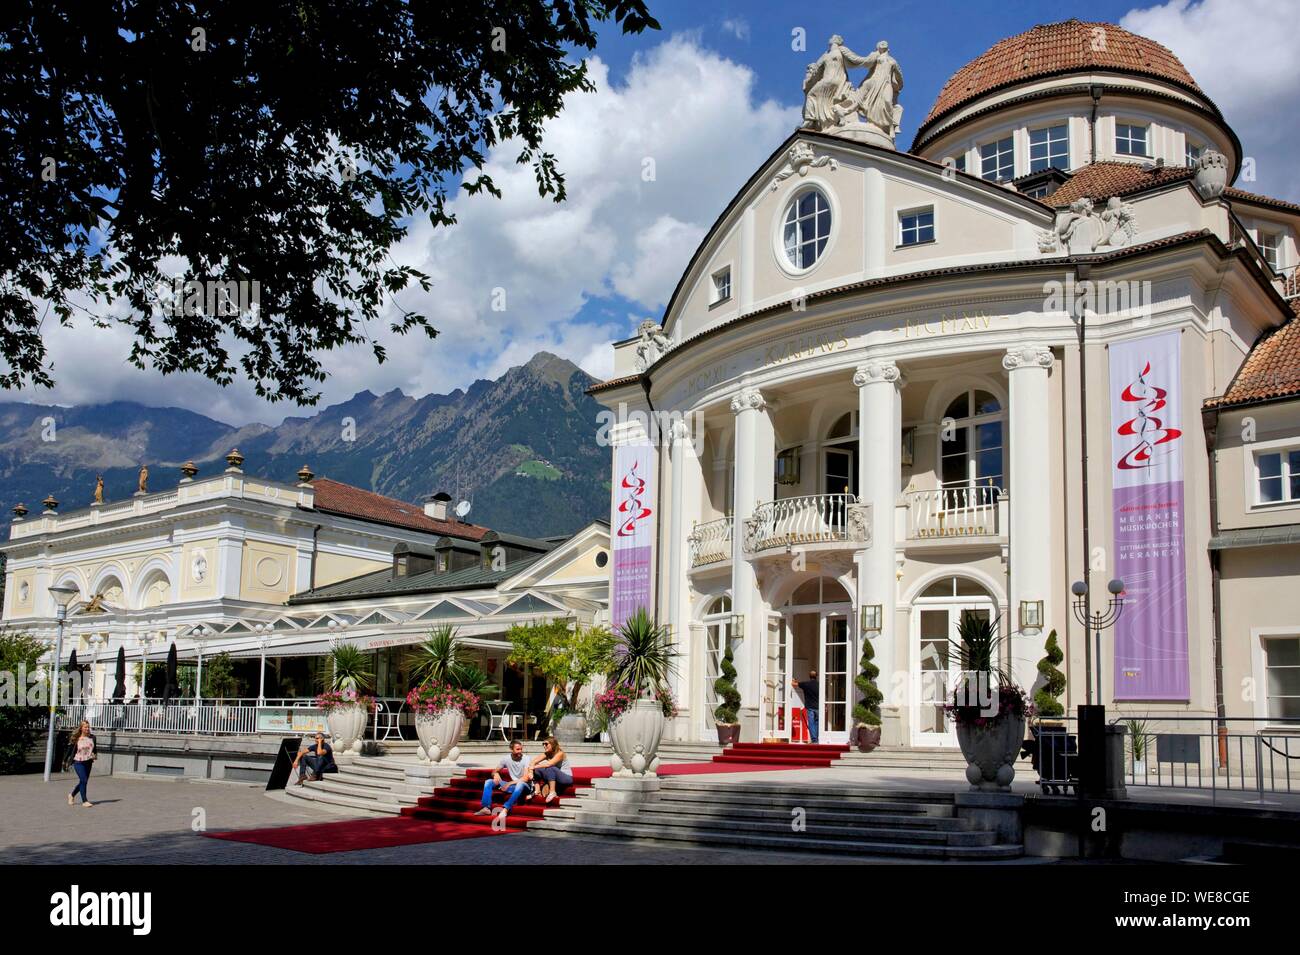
<point x="552" y="768"/>
<point x="82" y="746"/>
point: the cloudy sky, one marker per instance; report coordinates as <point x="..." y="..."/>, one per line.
<point x="679" y="121"/>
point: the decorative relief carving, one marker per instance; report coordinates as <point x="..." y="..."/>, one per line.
<point x="1089" y="226"/>
<point x="859" y="523"/>
<point x="799" y="160"/>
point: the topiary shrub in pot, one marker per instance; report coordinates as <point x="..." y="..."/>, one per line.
<point x="727" y="712"/>
<point x="866" y="714"/>
<point x="1047" y="698"/>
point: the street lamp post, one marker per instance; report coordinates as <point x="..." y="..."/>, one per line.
<point x="1097" y="621"/>
<point x="62" y="597"/>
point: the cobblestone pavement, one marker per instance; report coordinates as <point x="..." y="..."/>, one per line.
<point x="151" y="822"/>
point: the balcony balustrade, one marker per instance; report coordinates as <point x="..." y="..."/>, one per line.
<point x="811" y="519"/>
<point x="710" y="542"/>
<point x="955" y="512"/>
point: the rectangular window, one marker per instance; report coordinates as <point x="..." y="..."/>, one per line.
<point x="916" y="226"/>
<point x="1037" y="192"/>
<point x="722" y="285"/>
<point x="1049" y="147"/>
<point x="1270" y="245"/>
<point x="1277" y="476"/>
<point x="998" y="160"/>
<point x="1191" y="154"/>
<point x="1130" y="140"/>
<point x="1282" y="676"/>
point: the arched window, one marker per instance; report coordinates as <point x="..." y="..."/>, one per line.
<point x="971" y="441"/>
<point x="819" y="590"/>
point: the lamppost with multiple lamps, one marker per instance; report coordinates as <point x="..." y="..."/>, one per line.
<point x="62" y="597"/>
<point x="1094" y="623"/>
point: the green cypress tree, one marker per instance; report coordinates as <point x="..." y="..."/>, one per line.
<point x="728" y="708"/>
<point x="867" y="712"/>
<point x="1046" y="697"/>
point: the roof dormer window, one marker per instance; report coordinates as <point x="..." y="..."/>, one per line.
<point x="1049" y="147"/>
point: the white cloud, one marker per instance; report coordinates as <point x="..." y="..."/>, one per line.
<point x="737" y="27"/>
<point x="1242" y="53"/>
<point x="686" y="113"/>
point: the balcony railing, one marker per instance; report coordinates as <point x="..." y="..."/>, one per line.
<point x="947" y="512"/>
<point x="813" y="519"/>
<point x="710" y="542"/>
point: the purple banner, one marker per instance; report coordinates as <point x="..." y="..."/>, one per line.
<point x="1151" y="660"/>
<point x="632" y="540"/>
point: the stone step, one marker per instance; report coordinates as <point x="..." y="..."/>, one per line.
<point x="897" y="807"/>
<point x="311" y="793"/>
<point x="907" y="820"/>
<point x="368" y="766"/>
<point x="895" y="844"/>
<point x="790" y="794"/>
<point x="345" y="788"/>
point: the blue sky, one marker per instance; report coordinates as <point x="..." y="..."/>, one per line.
<point x="705" y="100"/>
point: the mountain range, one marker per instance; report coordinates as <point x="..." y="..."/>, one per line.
<point x="521" y="449"/>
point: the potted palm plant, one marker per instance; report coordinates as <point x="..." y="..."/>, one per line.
<point x="638" y="700"/>
<point x="344" y="702"/>
<point x="448" y="692"/>
<point x="988" y="709"/>
<point x="727" y="712"/>
<point x="1139" y="739"/>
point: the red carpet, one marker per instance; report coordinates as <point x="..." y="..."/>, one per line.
<point x="781" y="755"/>
<point x="353" y="834"/>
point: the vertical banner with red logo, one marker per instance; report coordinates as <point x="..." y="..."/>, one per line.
<point x="1151" y="660"/>
<point x="633" y="527"/>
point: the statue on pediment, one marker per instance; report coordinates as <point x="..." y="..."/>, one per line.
<point x="870" y="112"/>
<point x="1087" y="227"/>
<point x="654" y="344"/>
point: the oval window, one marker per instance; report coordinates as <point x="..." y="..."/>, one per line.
<point x="806" y="228"/>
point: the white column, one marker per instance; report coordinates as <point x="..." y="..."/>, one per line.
<point x="1029" y="538"/>
<point x="755" y="472"/>
<point x="880" y="417"/>
<point x="685" y="492"/>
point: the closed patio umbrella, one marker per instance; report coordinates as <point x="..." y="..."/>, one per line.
<point x="70" y="669"/>
<point x="171" y="689"/>
<point x="119" y="679"/>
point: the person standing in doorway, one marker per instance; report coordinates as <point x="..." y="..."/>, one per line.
<point x="82" y="746"/>
<point x="811" y="701"/>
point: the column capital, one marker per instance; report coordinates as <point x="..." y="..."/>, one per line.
<point x="877" y="371"/>
<point x="748" y="399"/>
<point x="1027" y="356"/>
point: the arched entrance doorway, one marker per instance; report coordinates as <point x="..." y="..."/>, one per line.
<point x="811" y="634"/>
<point x="935" y="661"/>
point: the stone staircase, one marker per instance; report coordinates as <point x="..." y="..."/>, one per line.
<point x="374" y="785"/>
<point x="785" y="817"/>
<point x="922" y="759"/>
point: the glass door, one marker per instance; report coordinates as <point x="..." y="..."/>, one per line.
<point x="715" y="647"/>
<point x="776" y="679"/>
<point x="834" y="676"/>
<point x="841" y="467"/>
<point x="937" y="668"/>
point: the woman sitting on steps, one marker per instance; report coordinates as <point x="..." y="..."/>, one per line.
<point x="552" y="768"/>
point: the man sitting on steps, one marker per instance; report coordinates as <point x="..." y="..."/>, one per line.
<point x="520" y="783"/>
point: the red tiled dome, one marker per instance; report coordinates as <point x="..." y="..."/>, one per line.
<point x="1053" y="48"/>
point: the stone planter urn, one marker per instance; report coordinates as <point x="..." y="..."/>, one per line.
<point x="1211" y="174"/>
<point x="635" y="736"/>
<point x="438" y="733"/>
<point x="572" y="728"/>
<point x="991" y="751"/>
<point x="347" y="725"/>
<point x="866" y="738"/>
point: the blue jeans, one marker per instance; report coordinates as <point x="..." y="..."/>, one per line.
<point x="811" y="713"/>
<point x="519" y="789"/>
<point x="83" y="777"/>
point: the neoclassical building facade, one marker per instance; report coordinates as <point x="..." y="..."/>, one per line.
<point x="892" y="388"/>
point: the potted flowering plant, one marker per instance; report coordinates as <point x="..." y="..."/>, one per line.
<point x="344" y="702"/>
<point x="440" y="713"/>
<point x="988" y="709"/>
<point x="638" y="701"/>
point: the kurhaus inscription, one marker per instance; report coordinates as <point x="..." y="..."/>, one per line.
<point x="805" y="346"/>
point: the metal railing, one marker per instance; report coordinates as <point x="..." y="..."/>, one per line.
<point x="1246" y="755"/>
<point x="187" y="717"/>
<point x="946" y="512"/>
<point x="710" y="542"/>
<point x="812" y="519"/>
